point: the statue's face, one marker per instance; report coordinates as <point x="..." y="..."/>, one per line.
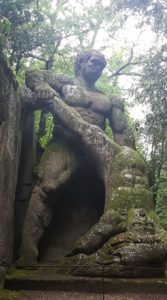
<point x="93" y="68"/>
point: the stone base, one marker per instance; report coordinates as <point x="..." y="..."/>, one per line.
<point x="46" y="278"/>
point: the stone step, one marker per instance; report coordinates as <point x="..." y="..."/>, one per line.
<point x="48" y="279"/>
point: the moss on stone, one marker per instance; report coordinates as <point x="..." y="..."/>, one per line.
<point x="10" y="295"/>
<point x="154" y="217"/>
<point x="125" y="198"/>
<point x="8" y="71"/>
<point x="130" y="158"/>
<point x="58" y="148"/>
<point x="51" y="148"/>
<point x="14" y="273"/>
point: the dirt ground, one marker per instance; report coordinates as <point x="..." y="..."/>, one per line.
<point x="53" y="295"/>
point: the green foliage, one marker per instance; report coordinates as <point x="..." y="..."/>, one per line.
<point x="108" y="87"/>
<point x="5" y="30"/>
<point x="108" y="130"/>
<point x="151" y="91"/>
<point x="46" y="137"/>
<point x="54" y="31"/>
<point x="44" y="140"/>
<point x="161" y="201"/>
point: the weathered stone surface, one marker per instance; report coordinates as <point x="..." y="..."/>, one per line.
<point x="9" y="158"/>
<point x="136" y="252"/>
<point x="124" y="235"/>
<point x="140" y="245"/>
<point x="127" y="237"/>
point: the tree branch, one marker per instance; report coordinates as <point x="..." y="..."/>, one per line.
<point x="118" y="72"/>
<point x="129" y="74"/>
<point x="129" y="62"/>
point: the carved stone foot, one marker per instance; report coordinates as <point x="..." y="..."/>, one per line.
<point x="109" y="225"/>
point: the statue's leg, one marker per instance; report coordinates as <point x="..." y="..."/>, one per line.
<point x="56" y="167"/>
<point x="37" y="218"/>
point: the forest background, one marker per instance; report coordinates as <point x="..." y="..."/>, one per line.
<point x="132" y="34"/>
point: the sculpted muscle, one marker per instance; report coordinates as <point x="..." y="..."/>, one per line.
<point x="92" y="106"/>
<point x="75" y="95"/>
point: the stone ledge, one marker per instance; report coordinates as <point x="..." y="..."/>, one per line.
<point x="48" y="279"/>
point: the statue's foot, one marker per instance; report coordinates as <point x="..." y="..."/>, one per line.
<point x="27" y="262"/>
<point x="28" y="259"/>
<point x="141" y="251"/>
<point x="108" y="225"/>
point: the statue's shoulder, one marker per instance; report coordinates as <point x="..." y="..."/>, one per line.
<point x="55" y="80"/>
<point x="117" y="102"/>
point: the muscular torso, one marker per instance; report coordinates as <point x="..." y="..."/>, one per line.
<point x="93" y="106"/>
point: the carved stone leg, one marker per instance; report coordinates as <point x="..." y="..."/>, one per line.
<point x="38" y="217"/>
<point x="56" y="167"/>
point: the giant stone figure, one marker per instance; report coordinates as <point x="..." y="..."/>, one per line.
<point x="106" y="180"/>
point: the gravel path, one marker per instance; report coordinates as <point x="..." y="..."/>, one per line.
<point x="53" y="295"/>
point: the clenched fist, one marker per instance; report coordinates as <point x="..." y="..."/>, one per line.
<point x="44" y="91"/>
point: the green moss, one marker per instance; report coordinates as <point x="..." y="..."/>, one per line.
<point x="107" y="248"/>
<point x="14" y="273"/>
<point x="131" y="214"/>
<point x="125" y="198"/>
<point x="51" y="148"/>
<point x="10" y="295"/>
<point x="54" y="147"/>
<point x="8" y="71"/>
<point x="129" y="158"/>
<point x="154" y="217"/>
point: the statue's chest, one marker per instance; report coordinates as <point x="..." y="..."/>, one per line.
<point x="99" y="101"/>
<point x="80" y="97"/>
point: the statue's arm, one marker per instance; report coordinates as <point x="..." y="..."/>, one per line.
<point x="47" y="84"/>
<point x="122" y="134"/>
<point x="39" y="81"/>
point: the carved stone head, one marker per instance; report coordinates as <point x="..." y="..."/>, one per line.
<point x="89" y="65"/>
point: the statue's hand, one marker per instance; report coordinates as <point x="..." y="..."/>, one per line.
<point x="44" y="91"/>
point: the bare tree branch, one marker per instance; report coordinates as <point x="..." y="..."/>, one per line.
<point x="129" y="62"/>
<point x="130" y="74"/>
<point x="74" y="34"/>
<point x="119" y="71"/>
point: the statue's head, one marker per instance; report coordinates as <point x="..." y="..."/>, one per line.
<point x="89" y="65"/>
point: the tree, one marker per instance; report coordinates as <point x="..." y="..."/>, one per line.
<point x="150" y="90"/>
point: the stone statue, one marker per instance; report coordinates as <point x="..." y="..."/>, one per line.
<point x="125" y="231"/>
<point x="93" y="105"/>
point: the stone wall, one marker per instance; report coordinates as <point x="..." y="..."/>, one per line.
<point x="10" y="136"/>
